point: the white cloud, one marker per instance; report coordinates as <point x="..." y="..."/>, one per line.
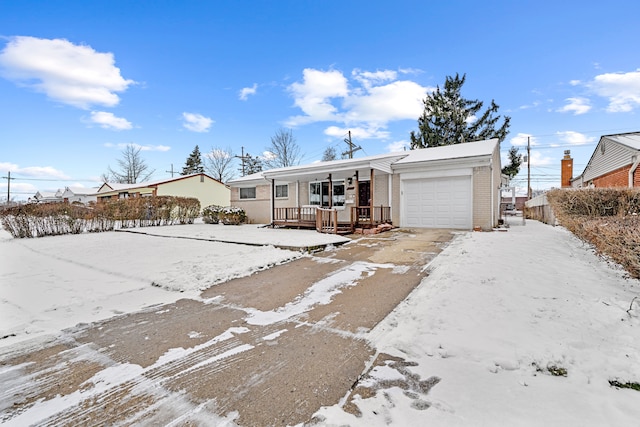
<point x="33" y="171"/>
<point x="218" y="153"/>
<point x="373" y="100"/>
<point x="397" y="146"/>
<point x="521" y="139"/>
<point x="246" y="91"/>
<point x="109" y="121"/>
<point x="269" y="156"/>
<point x="313" y="95"/>
<point x="576" y="105"/>
<point x="196" y="122"/>
<point x="356" y="132"/>
<point x="398" y="100"/>
<point x="574" y="138"/>
<point x="71" y="74"/>
<point x="538" y="159"/>
<point x="368" y="78"/>
<point x="7" y="167"/>
<point x="122" y="146"/>
<point x="621" y="89"/>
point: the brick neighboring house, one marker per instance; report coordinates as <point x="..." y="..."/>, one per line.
<point x="614" y="163"/>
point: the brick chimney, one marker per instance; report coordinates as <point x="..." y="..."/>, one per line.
<point x="566" y="173"/>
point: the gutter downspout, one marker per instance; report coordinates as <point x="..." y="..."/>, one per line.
<point x="390" y="186"/>
<point x="493" y="202"/>
<point x="633" y="169"/>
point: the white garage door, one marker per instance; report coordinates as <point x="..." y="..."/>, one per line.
<point x="437" y="202"/>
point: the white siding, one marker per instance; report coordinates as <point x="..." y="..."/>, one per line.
<point x="614" y="157"/>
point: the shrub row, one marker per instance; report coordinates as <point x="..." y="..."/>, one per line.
<point x="215" y="214"/>
<point x="608" y="218"/>
<point x="49" y="219"/>
<point x="595" y="202"/>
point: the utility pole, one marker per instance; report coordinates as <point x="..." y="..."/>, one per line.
<point x="352" y="147"/>
<point x="243" y="159"/>
<point x="171" y="171"/>
<point x="8" y="178"/>
<point x="528" y="168"/>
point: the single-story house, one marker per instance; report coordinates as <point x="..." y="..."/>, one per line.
<point x="614" y="163"/>
<point x="47" y="197"/>
<point x="208" y="190"/>
<point x="455" y="186"/>
<point x="79" y="194"/>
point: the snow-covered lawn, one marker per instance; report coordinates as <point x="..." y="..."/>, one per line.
<point x="51" y="283"/>
<point x="498" y="314"/>
<point x="518" y="328"/>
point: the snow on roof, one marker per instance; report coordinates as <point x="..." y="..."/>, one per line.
<point x="382" y="162"/>
<point x="115" y="186"/>
<point x="631" y="140"/>
<point x="82" y="190"/>
<point x="455" y="151"/>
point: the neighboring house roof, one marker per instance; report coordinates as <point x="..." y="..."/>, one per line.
<point x="611" y="153"/>
<point x="385" y="163"/>
<point x="115" y="186"/>
<point x="80" y="191"/>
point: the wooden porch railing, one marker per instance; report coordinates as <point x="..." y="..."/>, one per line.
<point x="370" y="215"/>
<point x="327" y="220"/>
<point x="297" y="215"/>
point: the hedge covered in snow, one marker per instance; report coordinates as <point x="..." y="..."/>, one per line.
<point x="50" y="219"/>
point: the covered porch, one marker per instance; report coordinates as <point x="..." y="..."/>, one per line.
<point x="326" y="220"/>
<point x="333" y="197"/>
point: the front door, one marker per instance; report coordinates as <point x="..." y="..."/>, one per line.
<point x="364" y="193"/>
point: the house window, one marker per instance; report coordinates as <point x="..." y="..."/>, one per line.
<point x="319" y="193"/>
<point x="248" y="193"/>
<point x="282" y="191"/>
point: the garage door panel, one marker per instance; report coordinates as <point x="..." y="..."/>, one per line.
<point x="438" y="202"/>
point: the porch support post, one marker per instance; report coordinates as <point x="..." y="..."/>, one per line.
<point x="371" y="202"/>
<point x="330" y="192"/>
<point x="273" y="203"/>
<point x="357" y="190"/>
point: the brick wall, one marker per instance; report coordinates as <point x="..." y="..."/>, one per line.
<point x="482" y="198"/>
<point x="616" y="178"/>
<point x="259" y="209"/>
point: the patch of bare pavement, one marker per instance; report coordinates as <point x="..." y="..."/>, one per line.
<point x="265" y="350"/>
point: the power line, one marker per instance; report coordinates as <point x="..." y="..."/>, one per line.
<point x="352" y="147"/>
<point x="56" y="179"/>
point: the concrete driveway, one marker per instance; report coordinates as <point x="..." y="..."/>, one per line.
<point x="268" y="349"/>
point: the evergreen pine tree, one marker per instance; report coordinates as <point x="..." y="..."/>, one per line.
<point x="193" y="163"/>
<point x="515" y="160"/>
<point x="252" y="164"/>
<point x="448" y="118"/>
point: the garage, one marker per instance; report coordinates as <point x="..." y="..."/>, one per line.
<point x="443" y="202"/>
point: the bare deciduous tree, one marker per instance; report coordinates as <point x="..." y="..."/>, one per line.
<point x="132" y="167"/>
<point x="284" y="151"/>
<point x="329" y="154"/>
<point x="219" y="164"/>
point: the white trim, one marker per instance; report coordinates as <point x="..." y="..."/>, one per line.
<point x="437" y="173"/>
<point x="633" y="169"/>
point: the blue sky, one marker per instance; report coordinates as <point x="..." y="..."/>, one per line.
<point x="81" y="79"/>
